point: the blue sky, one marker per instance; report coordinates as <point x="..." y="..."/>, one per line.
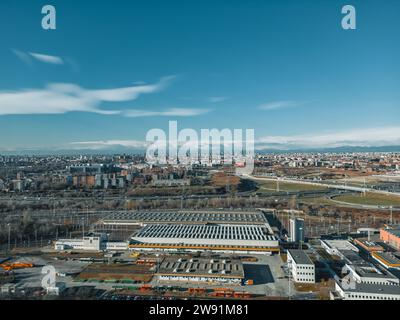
<point x="115" y="69"/>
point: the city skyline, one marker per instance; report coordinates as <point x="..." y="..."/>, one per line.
<point x="288" y="70"/>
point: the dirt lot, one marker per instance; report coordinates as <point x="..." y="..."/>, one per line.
<point x="100" y="271"/>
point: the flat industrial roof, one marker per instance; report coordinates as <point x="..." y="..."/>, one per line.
<point x="340" y="244"/>
<point x="374" y="289"/>
<point x="227" y="232"/>
<point x="387" y="257"/>
<point x="300" y="257"/>
<point x="370" y="271"/>
<point x="367" y="243"/>
<point x="225" y="268"/>
<point x="352" y="257"/>
<point x="182" y="216"/>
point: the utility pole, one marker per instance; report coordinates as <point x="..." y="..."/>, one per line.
<point x="364" y="186"/>
<point x="87" y="214"/>
<point x="9" y="238"/>
<point x="391" y="214"/>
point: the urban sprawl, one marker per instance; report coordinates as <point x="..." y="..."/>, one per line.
<point x="314" y="226"/>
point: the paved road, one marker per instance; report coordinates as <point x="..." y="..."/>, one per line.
<point x="327" y="185"/>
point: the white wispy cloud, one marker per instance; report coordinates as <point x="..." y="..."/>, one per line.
<point x="172" y="112"/>
<point x="217" y="99"/>
<point x="274" y="105"/>
<point x="46" y="58"/>
<point x="29" y="57"/>
<point x="23" y="56"/>
<point x="364" y="137"/>
<point x="59" y="98"/>
<point x="104" y="144"/>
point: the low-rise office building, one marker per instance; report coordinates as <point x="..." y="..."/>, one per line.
<point x="301" y="266"/>
<point x="91" y="243"/>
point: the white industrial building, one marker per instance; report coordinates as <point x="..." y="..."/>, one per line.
<point x="334" y="247"/>
<point x="142" y="218"/>
<point x="90" y="243"/>
<point x="301" y="266"/>
<point x="369" y="274"/>
<point x="365" y="291"/>
<point x="215" y="235"/>
<point x="116" y="245"/>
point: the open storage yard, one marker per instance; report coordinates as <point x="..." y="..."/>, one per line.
<point x="116" y="272"/>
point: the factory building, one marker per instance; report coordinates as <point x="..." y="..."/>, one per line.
<point x="369" y="274"/>
<point x="185" y="217"/>
<point x="200" y="270"/>
<point x="391" y="236"/>
<point x="301" y="266"/>
<point x="365" y="291"/>
<point x="296" y="230"/>
<point x="337" y="247"/>
<point x="228" y="238"/>
<point x="387" y="259"/>
<point x="89" y="243"/>
<point x="97" y="242"/>
<point x="369" y="246"/>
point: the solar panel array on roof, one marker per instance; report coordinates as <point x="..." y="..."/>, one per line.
<point x="202" y="267"/>
<point x="189" y="216"/>
<point x="229" y="232"/>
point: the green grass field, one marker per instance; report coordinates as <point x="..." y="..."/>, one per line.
<point x="371" y="199"/>
<point x="267" y="186"/>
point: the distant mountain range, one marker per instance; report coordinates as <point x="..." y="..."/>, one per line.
<point x="344" y="149"/>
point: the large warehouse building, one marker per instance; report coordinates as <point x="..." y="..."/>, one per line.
<point x="237" y="231"/>
<point x="226" y="238"/>
<point x="185" y="217"/>
<point x="217" y="271"/>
